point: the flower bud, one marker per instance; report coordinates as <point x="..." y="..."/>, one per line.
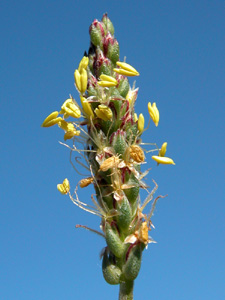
<point x="108" y="24"/>
<point x="113" y="241"/>
<point x="118" y="141"/>
<point x="123" y="87"/>
<point x="96" y="32"/>
<point x="110" y="271"/>
<point x="125" y="214"/>
<point x="103" y="112"/>
<point x="133" y="263"/>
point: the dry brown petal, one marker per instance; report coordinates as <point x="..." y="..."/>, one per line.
<point x="137" y="154"/>
<point x="109" y="163"/>
<point x="143" y="234"/>
<point x="85" y="182"/>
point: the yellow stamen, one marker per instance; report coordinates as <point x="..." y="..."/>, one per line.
<point x="141" y="123"/>
<point x="104" y="112"/>
<point x="163" y="160"/>
<point x="154" y="113"/>
<point x="64" y="187"/>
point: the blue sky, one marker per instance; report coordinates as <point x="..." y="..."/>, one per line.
<point x="178" y="48"/>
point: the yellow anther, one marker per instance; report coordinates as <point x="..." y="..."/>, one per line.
<point x="162" y="151"/>
<point x="83" y="80"/>
<point x="64" y="187"/>
<point x="135" y="117"/>
<point x="104" y="112"/>
<point x="70" y="109"/>
<point x="107" y="81"/>
<point x="163" y="160"/>
<point x="77" y="80"/>
<point x="126" y="69"/>
<point x="51" y="119"/>
<point x="83" y="63"/>
<point x="86" y="107"/>
<point x="154" y="113"/>
<point x="70" y="134"/>
<point x="141" y="123"/>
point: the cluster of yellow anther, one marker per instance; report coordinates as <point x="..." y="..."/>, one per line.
<point x="64" y="187"/>
<point x="80" y="75"/>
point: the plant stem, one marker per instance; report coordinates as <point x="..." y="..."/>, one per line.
<point x="126" y="290"/>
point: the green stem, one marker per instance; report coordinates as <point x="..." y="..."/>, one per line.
<point x="126" y="290"/>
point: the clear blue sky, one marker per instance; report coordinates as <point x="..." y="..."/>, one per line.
<point x="178" y="48"/>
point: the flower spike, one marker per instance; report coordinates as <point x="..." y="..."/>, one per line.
<point x="104" y="136"/>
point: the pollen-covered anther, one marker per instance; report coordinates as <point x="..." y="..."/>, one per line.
<point x="64" y="187"/>
<point x="109" y="163"/>
<point x="85" y="182"/>
<point x="137" y="154"/>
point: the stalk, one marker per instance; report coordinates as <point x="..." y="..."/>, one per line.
<point x="126" y="290"/>
<point x="106" y="134"/>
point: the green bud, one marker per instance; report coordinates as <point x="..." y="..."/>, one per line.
<point x="118" y="141"/>
<point x="133" y="263"/>
<point x="113" y="241"/>
<point x="133" y="192"/>
<point x="108" y="24"/>
<point x="96" y="32"/>
<point x="131" y="131"/>
<point x="110" y="271"/>
<point x="125" y="214"/>
<point x="113" y="52"/>
<point x="123" y="87"/>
